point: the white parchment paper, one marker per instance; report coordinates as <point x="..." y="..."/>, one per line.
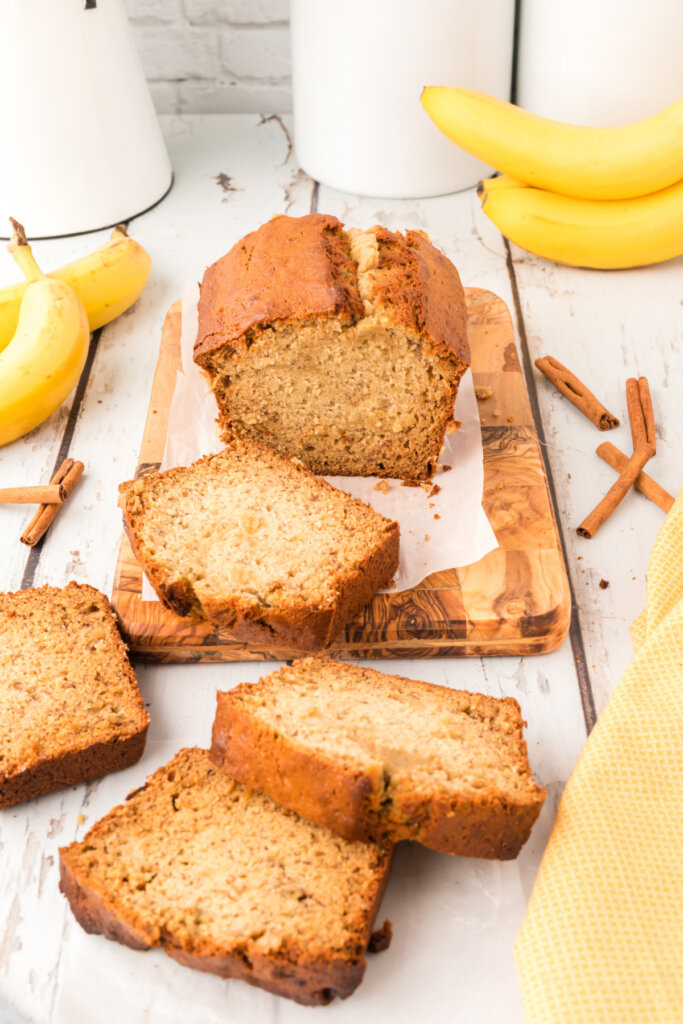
<point x="438" y="531"/>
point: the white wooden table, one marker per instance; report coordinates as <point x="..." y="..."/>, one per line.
<point x="454" y="919"/>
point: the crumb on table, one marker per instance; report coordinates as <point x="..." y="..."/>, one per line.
<point x="604" y="584"/>
<point x="483" y="393"/>
<point x="382" y="485"/>
<point x="435" y="490"/>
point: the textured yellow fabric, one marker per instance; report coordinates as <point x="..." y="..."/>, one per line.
<point x="602" y="940"/>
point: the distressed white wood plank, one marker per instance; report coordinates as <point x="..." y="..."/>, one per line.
<point x="607" y="326"/>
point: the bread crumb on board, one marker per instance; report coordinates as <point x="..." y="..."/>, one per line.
<point x="381" y="939"/>
<point x="435" y="490"/>
<point x="483" y="393"/>
<point x="382" y="485"/>
<point x="437" y="516"/>
<point x="81" y="818"/>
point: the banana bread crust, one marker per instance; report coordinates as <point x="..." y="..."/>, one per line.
<point x="289" y="269"/>
<point x="69" y="769"/>
<point x="299" y="268"/>
<point x="353" y="802"/>
<point x="418" y="287"/>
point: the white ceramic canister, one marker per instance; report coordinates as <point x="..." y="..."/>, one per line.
<point x="600" y="62"/>
<point x="358" y="69"/>
<point x="81" y="144"/>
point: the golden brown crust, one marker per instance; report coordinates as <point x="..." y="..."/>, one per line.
<point x="53" y="773"/>
<point x="289" y="269"/>
<point x="301" y="626"/>
<point x="416" y="286"/>
<point x="355" y="804"/>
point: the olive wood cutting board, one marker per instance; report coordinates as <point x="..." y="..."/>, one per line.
<point x="515" y="600"/>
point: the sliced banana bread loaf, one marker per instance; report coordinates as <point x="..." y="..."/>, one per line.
<point x="225" y="881"/>
<point x="259" y="546"/>
<point x="341" y="348"/>
<point x="70" y="708"/>
<point x="374" y="756"/>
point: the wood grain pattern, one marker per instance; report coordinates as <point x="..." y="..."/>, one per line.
<point x="513" y="601"/>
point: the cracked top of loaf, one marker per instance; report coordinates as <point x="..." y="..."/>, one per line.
<point x="301" y="268"/>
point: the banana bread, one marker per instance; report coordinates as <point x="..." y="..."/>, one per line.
<point x="374" y="756"/>
<point x="258" y="546"/>
<point x="70" y="708"/>
<point x="225" y="881"/>
<point x="343" y="349"/>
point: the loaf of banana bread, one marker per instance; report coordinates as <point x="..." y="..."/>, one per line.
<point x="343" y="349"/>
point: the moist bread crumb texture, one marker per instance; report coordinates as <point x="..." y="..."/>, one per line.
<point x="381" y="757"/>
<point x="70" y="708"/>
<point x="226" y="881"/>
<point x="343" y="349"/>
<point x="259" y="546"/>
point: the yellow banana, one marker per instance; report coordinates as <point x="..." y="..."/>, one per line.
<point x="589" y="163"/>
<point x="44" y="359"/>
<point x="107" y="281"/>
<point x="589" y="232"/>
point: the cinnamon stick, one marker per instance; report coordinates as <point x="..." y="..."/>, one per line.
<point x="578" y="394"/>
<point x="67" y="476"/>
<point x="43" y="494"/>
<point x="610" y="454"/>
<point x="642" y="427"/>
<point x="640" y="414"/>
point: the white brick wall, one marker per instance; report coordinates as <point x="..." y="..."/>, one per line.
<point x="213" y="56"/>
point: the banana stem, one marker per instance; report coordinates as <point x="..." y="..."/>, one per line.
<point x="499" y="182"/>
<point x="21" y="251"/>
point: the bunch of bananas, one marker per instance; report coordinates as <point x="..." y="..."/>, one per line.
<point x="588" y="197"/>
<point x="45" y="324"/>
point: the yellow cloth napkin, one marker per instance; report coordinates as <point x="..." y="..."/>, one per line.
<point x="602" y="939"/>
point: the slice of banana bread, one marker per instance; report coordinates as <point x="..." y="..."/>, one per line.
<point x="225" y="881"/>
<point x="70" y="708"/>
<point x="259" y="546"/>
<point x="343" y="349"/>
<point x="374" y="756"/>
